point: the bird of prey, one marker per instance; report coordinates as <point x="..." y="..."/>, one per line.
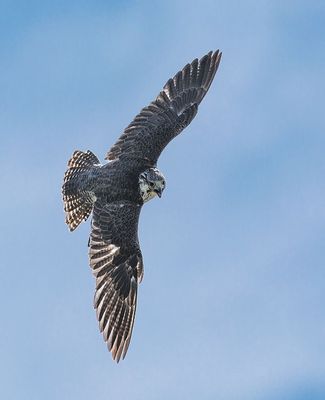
<point x="115" y="192"/>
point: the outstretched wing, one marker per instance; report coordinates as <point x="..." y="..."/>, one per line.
<point x="164" y="118"/>
<point x="116" y="261"/>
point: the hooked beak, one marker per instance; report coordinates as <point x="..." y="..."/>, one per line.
<point x="159" y="192"/>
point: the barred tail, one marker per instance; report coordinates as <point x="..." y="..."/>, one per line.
<point x="78" y="202"/>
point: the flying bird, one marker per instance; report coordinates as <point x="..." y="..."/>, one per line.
<point x="115" y="192"/>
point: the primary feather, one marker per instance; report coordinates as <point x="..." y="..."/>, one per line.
<point x="174" y="108"/>
<point x="116" y="191"/>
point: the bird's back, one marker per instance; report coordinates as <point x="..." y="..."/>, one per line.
<point x="117" y="181"/>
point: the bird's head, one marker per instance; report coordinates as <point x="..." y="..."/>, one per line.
<point x="151" y="183"/>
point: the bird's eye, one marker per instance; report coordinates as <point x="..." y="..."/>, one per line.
<point x="163" y="182"/>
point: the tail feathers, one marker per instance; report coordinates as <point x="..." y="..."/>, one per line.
<point x="77" y="209"/>
<point x="78" y="203"/>
<point x="80" y="162"/>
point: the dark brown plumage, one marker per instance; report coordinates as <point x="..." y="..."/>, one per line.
<point x="112" y="193"/>
<point x="174" y="108"/>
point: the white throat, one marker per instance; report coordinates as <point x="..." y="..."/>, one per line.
<point x="146" y="192"/>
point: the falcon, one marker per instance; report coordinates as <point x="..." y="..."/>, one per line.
<point x="115" y="192"/>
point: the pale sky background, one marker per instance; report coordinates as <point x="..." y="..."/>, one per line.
<point x="232" y="306"/>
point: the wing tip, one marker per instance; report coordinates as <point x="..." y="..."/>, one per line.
<point x="204" y="69"/>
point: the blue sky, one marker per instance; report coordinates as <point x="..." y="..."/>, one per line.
<point x="232" y="302"/>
